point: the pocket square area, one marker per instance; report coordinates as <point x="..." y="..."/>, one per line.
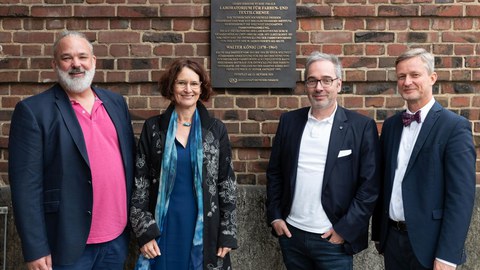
<point x="344" y="153"/>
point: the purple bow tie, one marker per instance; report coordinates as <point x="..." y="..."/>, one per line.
<point x="407" y="118"/>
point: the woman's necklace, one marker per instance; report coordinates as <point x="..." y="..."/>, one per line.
<point x="186" y="124"/>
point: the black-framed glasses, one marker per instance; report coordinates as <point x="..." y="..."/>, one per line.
<point x="194" y="85"/>
<point x="325" y="82"/>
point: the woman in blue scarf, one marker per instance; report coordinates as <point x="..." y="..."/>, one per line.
<point x="183" y="208"/>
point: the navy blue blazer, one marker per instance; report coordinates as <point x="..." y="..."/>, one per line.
<point x="438" y="187"/>
<point x="351" y="183"/>
<point x="50" y="176"/>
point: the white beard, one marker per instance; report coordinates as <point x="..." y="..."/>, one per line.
<point x="75" y="85"/>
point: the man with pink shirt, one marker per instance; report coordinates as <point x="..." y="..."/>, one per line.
<point x="71" y="153"/>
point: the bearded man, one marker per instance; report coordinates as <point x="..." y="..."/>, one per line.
<point x="71" y="152"/>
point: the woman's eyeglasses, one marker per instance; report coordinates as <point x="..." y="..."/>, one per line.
<point x="183" y="84"/>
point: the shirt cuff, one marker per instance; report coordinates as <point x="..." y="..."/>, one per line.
<point x="275" y="220"/>
<point x="445" y="262"/>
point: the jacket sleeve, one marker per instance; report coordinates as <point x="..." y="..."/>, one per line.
<point x="25" y="163"/>
<point x="142" y="220"/>
<point x="227" y="192"/>
<point x="459" y="173"/>
<point x="367" y="188"/>
<point x="275" y="176"/>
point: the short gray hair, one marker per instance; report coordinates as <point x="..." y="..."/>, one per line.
<point x="67" y="33"/>
<point x="427" y="58"/>
<point x="318" y="56"/>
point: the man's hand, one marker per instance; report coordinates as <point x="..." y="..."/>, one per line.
<point x="150" y="250"/>
<point x="44" y="263"/>
<point x="334" y="237"/>
<point x="280" y="228"/>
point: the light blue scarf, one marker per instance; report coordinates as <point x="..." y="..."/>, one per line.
<point x="167" y="181"/>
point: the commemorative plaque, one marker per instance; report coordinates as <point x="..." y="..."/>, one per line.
<point x="253" y="43"/>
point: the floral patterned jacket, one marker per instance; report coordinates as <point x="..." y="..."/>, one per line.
<point x="219" y="187"/>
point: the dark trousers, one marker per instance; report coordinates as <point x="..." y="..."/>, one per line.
<point x="398" y="253"/>
<point x="309" y="251"/>
<point x="104" y="256"/>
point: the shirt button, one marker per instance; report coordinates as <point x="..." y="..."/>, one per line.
<point x="89" y="213"/>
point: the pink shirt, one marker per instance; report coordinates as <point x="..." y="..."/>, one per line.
<point x="109" y="214"/>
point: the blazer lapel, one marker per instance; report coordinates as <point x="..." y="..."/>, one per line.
<point x="71" y="121"/>
<point x="427" y="126"/>
<point x="339" y="130"/>
<point x="295" y="138"/>
<point x="394" y="145"/>
<point x="113" y="112"/>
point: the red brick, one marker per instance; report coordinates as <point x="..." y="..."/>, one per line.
<point x="442" y="10"/>
<point x="9" y="102"/>
<point x="245" y="102"/>
<point x="460" y="102"/>
<point x="472" y="62"/>
<point x="223" y="102"/>
<point x="139" y="50"/>
<point x="118" y="37"/>
<point x="11" y="23"/>
<point x="403" y="10"/>
<point x="138" y="76"/>
<point x="163" y="50"/>
<point x="461" y="75"/>
<point x="398" y="24"/>
<point x="288" y="102"/>
<point x="462" y="23"/>
<point x="355" y="75"/>
<point x="441" y="24"/>
<point x="353" y="49"/>
<point x="180" y="11"/>
<point x="94" y="11"/>
<point x="116" y="76"/>
<point x="249" y="128"/>
<point x="420" y="23"/>
<point x="354" y="11"/>
<point x="332" y="49"/>
<point x="376" y="24"/>
<point x="354" y="24"/>
<point x="141" y="24"/>
<point x="119" y="50"/>
<point x="119" y="24"/>
<point x="267" y="102"/>
<point x="376" y="75"/>
<point x="394" y="102"/>
<point x="17" y="10"/>
<point x="353" y="102"/>
<point x="310" y="24"/>
<point x="51" y="11"/>
<point x="76" y="24"/>
<point x="29" y="76"/>
<point x="138" y="11"/>
<point x="33" y="37"/>
<point x="331" y="37"/>
<point x="375" y="49"/>
<point x="197" y="37"/>
<point x="184" y="50"/>
<point x="182" y="24"/>
<point x="471" y="10"/>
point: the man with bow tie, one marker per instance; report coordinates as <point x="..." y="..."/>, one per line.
<point x="423" y="214"/>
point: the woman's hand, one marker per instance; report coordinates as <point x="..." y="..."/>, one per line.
<point x="150" y="250"/>
<point x="222" y="251"/>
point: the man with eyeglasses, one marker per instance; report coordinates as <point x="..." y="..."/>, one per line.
<point x="323" y="175"/>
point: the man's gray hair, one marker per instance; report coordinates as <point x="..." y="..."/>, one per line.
<point x="67" y="33"/>
<point x="318" y="56"/>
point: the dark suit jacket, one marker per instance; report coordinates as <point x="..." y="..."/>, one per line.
<point x="50" y="176"/>
<point x="350" y="184"/>
<point x="438" y="187"/>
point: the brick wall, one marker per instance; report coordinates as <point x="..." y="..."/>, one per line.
<point x="135" y="39"/>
